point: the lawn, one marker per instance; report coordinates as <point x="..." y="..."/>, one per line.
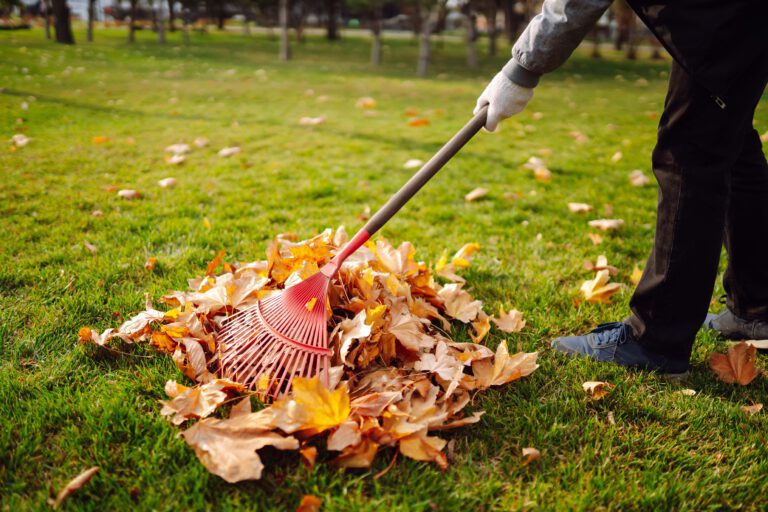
<point x="66" y="407"/>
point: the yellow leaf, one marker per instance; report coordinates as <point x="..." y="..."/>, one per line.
<point x="312" y="407"/>
<point x="596" y="389"/>
<point x="599" y="290"/>
<point x="310" y="305"/>
<point x="509" y="322"/>
<point x="637" y="273"/>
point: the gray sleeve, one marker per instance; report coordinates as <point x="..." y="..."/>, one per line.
<point x="550" y="38"/>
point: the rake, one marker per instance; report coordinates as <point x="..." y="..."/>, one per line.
<point x="285" y="335"/>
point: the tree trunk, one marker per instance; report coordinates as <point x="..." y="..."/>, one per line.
<point x="185" y="14"/>
<point x="46" y="8"/>
<point x="62" y="22"/>
<point x="160" y="23"/>
<point x="171" y="16"/>
<point x="424" y="50"/>
<point x="492" y="31"/>
<point x="471" y="40"/>
<point x="300" y="21"/>
<point x="91" y="16"/>
<point x="282" y="15"/>
<point x="221" y="15"/>
<point x="132" y="25"/>
<point x="332" y="30"/>
<point x="596" y="43"/>
<point x="376" y="36"/>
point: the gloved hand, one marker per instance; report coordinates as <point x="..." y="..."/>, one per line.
<point x="504" y="99"/>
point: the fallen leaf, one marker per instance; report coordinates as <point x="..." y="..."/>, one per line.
<point x="542" y="174"/>
<point x="128" y="194"/>
<point x="20" y="140"/>
<point x="637" y="178"/>
<point x="175" y="159"/>
<point x="97" y="213"/>
<point x="227" y="152"/>
<point x="601" y="264"/>
<point x="752" y="409"/>
<point x="201" y="142"/>
<point x="606" y="224"/>
<point x="312" y="407"/>
<point x="476" y="194"/>
<point x="91" y="248"/>
<point x="167" y="182"/>
<point x="595" y="238"/>
<point x="413" y="163"/>
<point x="599" y="290"/>
<point x="149" y="265"/>
<point x="195" y="402"/>
<point x="737" y="366"/>
<point x="579" y="207"/>
<point x="596" y="389"/>
<point x="365" y="102"/>
<point x="616" y="156"/>
<point x="509" y="322"/>
<point x="637" y="274"/>
<point x="530" y="454"/>
<point x="688" y="392"/>
<point x="178" y="149"/>
<point x="311" y="121"/>
<point x="76" y="483"/>
<point x="578" y="136"/>
<point x="100" y="139"/>
<point x="308" y="457"/>
<point x="309" y="504"/>
<point x="418" y="121"/>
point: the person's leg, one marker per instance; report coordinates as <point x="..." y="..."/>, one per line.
<point x="698" y="146"/>
<point x="746" y="234"/>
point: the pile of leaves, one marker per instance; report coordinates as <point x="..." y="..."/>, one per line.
<point x="397" y="375"/>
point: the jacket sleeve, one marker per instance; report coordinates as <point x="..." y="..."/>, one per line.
<point x="550" y="38"/>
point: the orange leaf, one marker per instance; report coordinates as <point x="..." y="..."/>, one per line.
<point x="75" y="484"/>
<point x="418" y="121"/>
<point x="309" y="503"/>
<point x="596" y="389"/>
<point x="150" y="264"/>
<point x="100" y="139"/>
<point x="737" y="366"/>
<point x="214" y="263"/>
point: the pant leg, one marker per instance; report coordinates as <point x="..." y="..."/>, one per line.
<point x="746" y="233"/>
<point x="698" y="144"/>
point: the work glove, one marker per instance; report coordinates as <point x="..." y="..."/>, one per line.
<point x="504" y="99"/>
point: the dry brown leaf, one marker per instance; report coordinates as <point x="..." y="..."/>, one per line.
<point x="128" y="194"/>
<point x="311" y="121"/>
<point x="413" y="163"/>
<point x="599" y="290"/>
<point x="231" y="453"/>
<point x="579" y="207"/>
<point x="91" y="248"/>
<point x="503" y="368"/>
<point x="308" y="457"/>
<point x="196" y="402"/>
<point x="600" y="264"/>
<point x="73" y="485"/>
<point x="737" y="366"/>
<point x="309" y="503"/>
<point x="229" y="151"/>
<point x="542" y="174"/>
<point x="420" y="446"/>
<point x="100" y="139"/>
<point x="476" y="194"/>
<point x="617" y="156"/>
<point x="365" y="102"/>
<point x="167" y="182"/>
<point x="178" y="149"/>
<point x="511" y="321"/>
<point x="149" y="265"/>
<point x="606" y="224"/>
<point x="597" y="389"/>
<point x="637" y="178"/>
<point x="358" y="456"/>
<point x="530" y="454"/>
<point x="595" y="238"/>
<point x="418" y="121"/>
<point x="752" y="409"/>
<point x="688" y="392"/>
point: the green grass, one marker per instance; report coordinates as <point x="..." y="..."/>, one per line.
<point x="66" y="407"/>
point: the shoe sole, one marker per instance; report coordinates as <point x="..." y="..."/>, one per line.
<point x="758" y="344"/>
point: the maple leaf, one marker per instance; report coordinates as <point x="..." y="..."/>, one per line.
<point x="312" y="407"/>
<point x="599" y="290"/>
<point x="195" y="402"/>
<point x="597" y="389"/>
<point x="503" y="368"/>
<point x="420" y="446"/>
<point x="231" y="453"/>
<point x="601" y="264"/>
<point x="458" y="303"/>
<point x="346" y="435"/>
<point x="737" y="366"/>
<point x="482" y="326"/>
<point x="358" y="456"/>
<point x="509" y="322"/>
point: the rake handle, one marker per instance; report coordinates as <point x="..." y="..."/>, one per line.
<point x="417" y="181"/>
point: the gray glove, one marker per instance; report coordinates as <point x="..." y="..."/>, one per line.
<point x="504" y="99"/>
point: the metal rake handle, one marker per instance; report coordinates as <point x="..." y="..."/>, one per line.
<point x="407" y="191"/>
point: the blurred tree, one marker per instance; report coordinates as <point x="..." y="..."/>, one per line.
<point x="626" y="19"/>
<point x="62" y="23"/>
<point x="132" y="20"/>
<point x="285" y="50"/>
<point x="171" y="16"/>
<point x="491" y="14"/>
<point x="91" y="16"/>
<point x="372" y="12"/>
<point x="331" y="10"/>
<point x="470" y="20"/>
<point x="429" y="11"/>
<point x="45" y="7"/>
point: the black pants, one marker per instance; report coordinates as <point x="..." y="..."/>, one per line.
<point x="713" y="188"/>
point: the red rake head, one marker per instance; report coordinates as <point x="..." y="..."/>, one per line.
<point x="282" y="336"/>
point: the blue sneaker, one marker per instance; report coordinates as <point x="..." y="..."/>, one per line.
<point x="731" y="327"/>
<point x="613" y="343"/>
